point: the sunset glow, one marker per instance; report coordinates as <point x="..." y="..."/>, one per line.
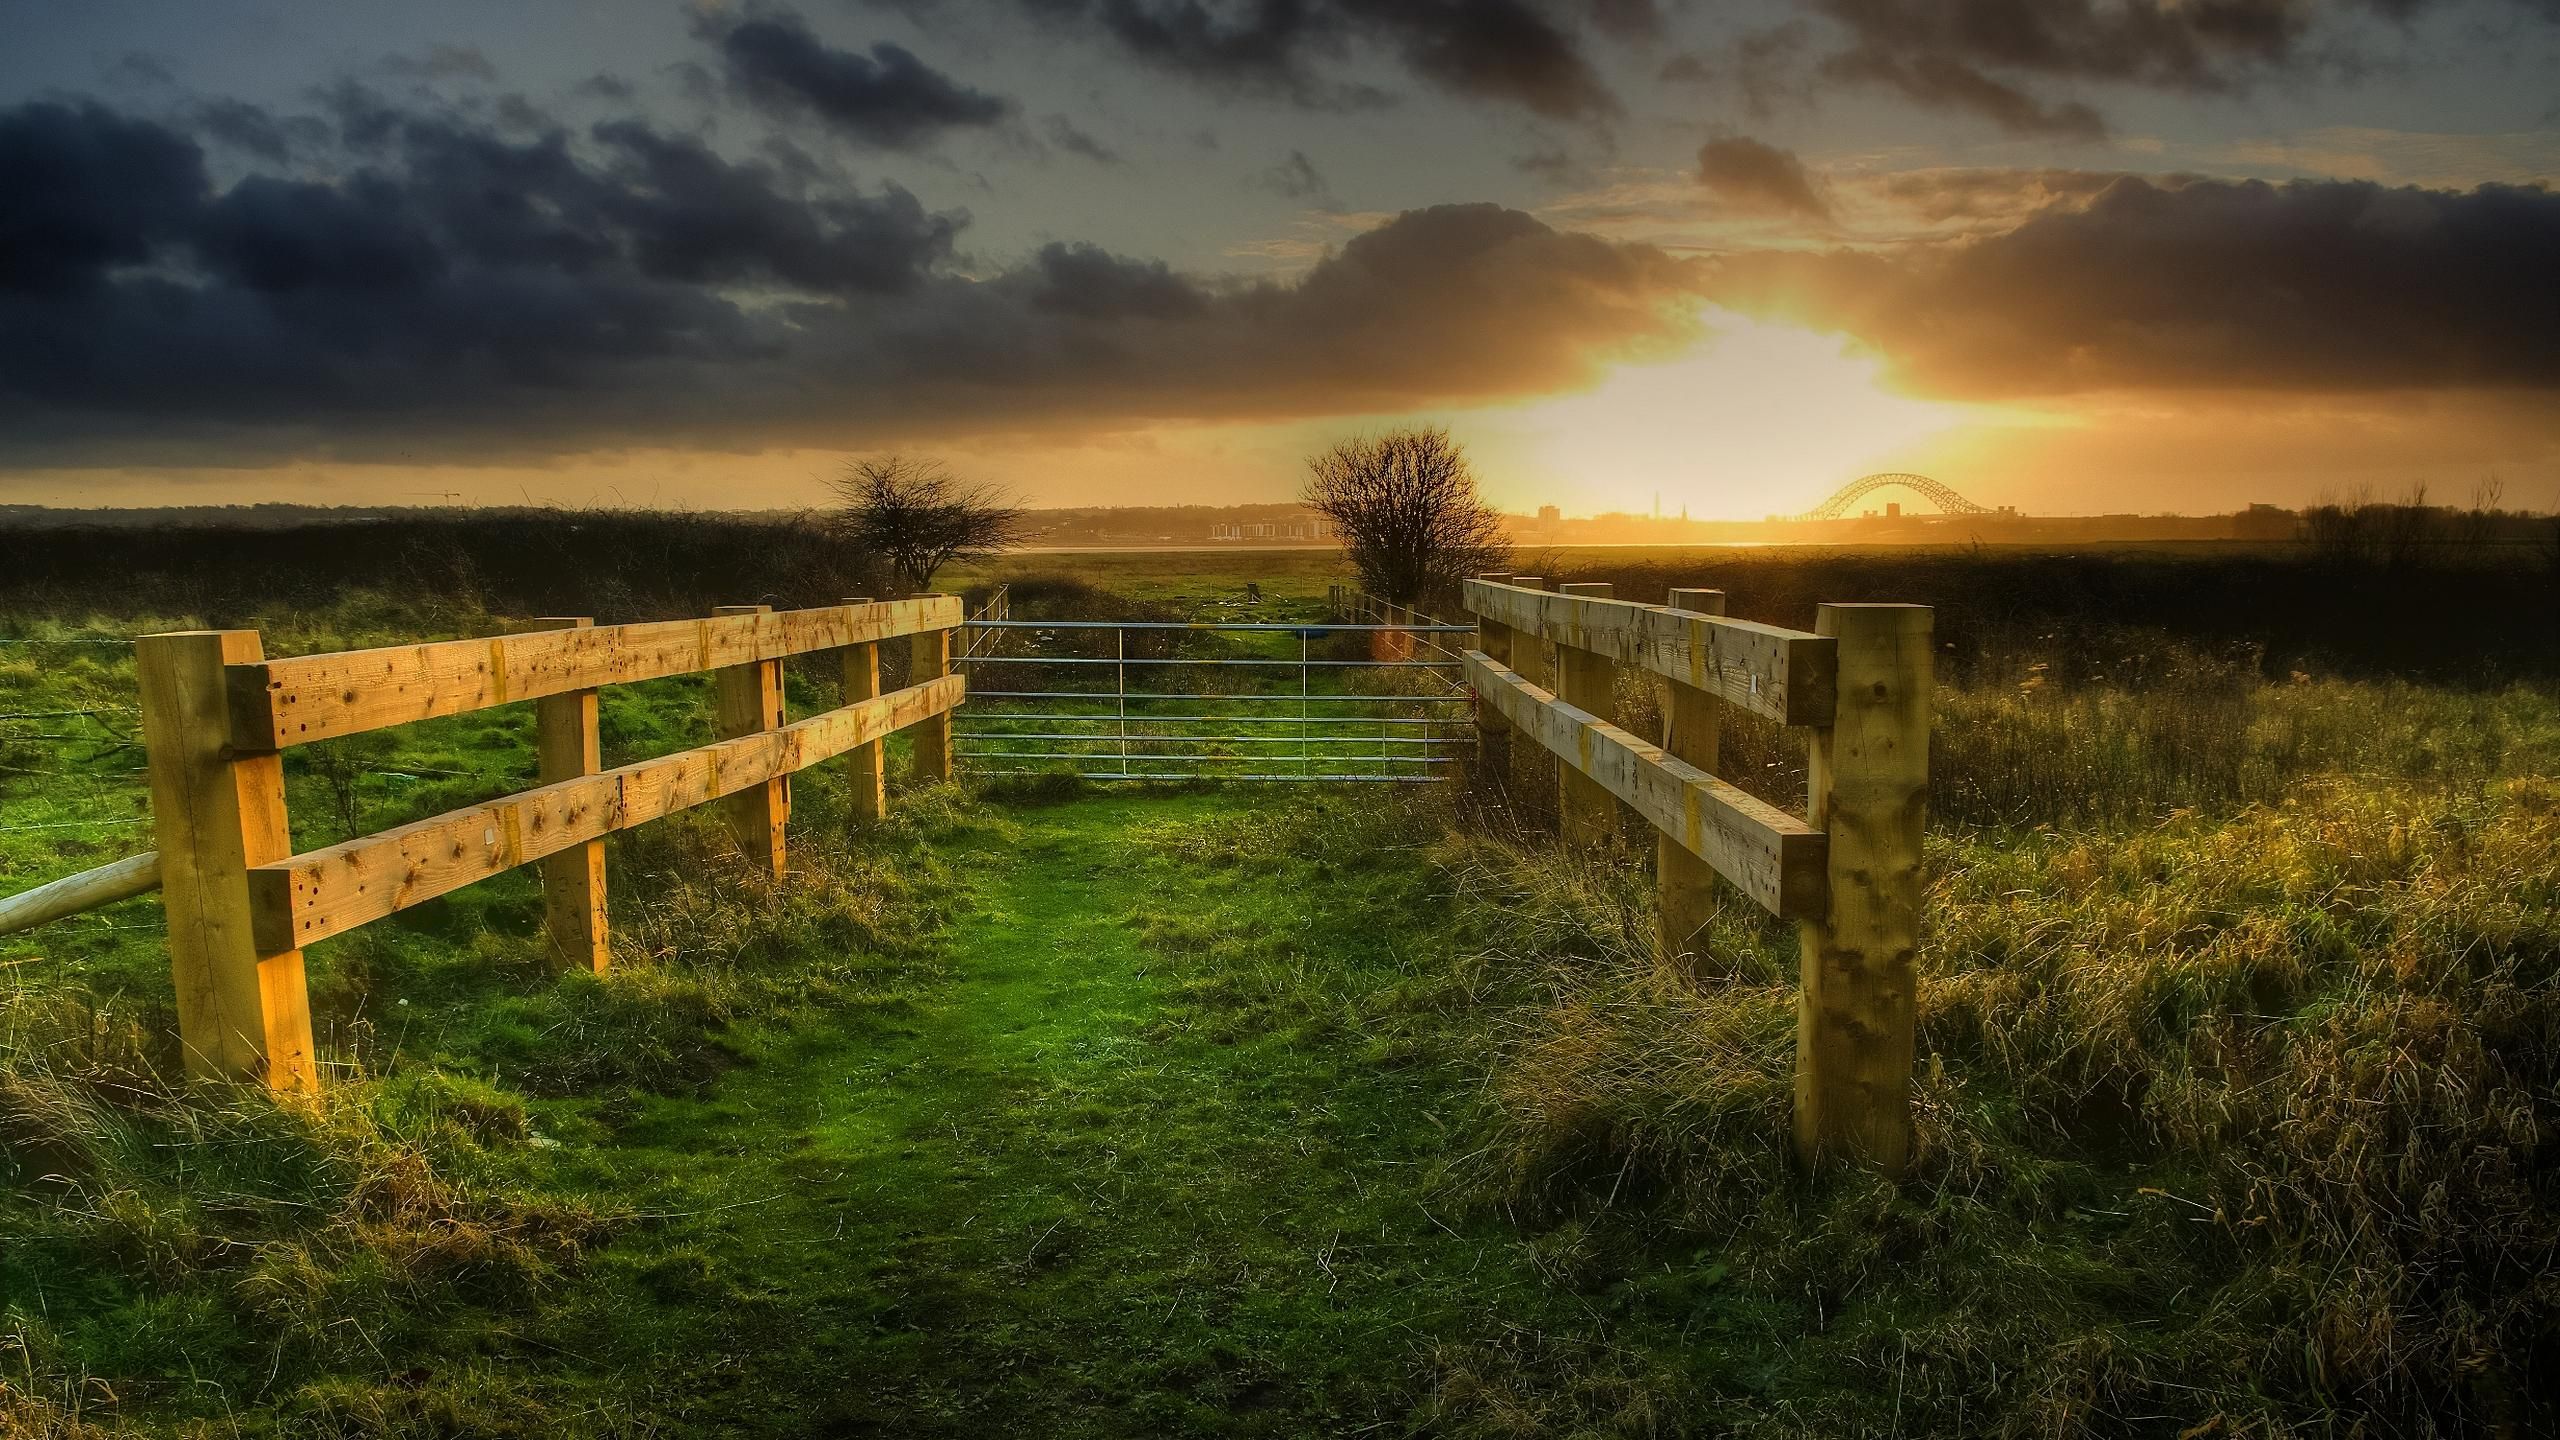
<point x="1760" y="418"/>
<point x="1157" y="253"/>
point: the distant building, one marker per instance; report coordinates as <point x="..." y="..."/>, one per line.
<point x="1549" y="515"/>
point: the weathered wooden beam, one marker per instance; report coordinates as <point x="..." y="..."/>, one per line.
<point x="280" y="703"/>
<point x="1867" y="786"/>
<point x="1684" y="886"/>
<point x="72" y="894"/>
<point x="244" y="1010"/>
<point x="749" y="699"/>
<point x="329" y="892"/>
<point x="568" y="743"/>
<point x="1588" y="681"/>
<point x="870" y="778"/>
<point x="1493" y="733"/>
<point x="1768" y="854"/>
<point x="929" y="656"/>
<point x="1784" y="674"/>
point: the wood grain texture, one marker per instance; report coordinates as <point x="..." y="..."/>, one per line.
<point x="1684" y="885"/>
<point x="73" y="894"/>
<point x="1867" y="786"/>
<point x="567" y="745"/>
<point x="1586" y="813"/>
<point x="748" y="698"/>
<point x="1783" y="674"/>
<point x="929" y="658"/>
<point x="281" y="703"/>
<point x="331" y="891"/>
<point x="870" y="762"/>
<point x="1493" y="733"/>
<point x="1768" y="854"/>
<point x="244" y="1013"/>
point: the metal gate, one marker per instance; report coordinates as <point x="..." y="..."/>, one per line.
<point x="1214" y="700"/>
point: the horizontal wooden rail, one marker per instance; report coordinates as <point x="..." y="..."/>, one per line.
<point x="116" y="880"/>
<point x="1786" y="675"/>
<point x="281" y="703"/>
<point x="1769" y="855"/>
<point x="329" y="892"/>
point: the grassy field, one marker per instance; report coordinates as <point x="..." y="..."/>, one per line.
<point x="1220" y="1112"/>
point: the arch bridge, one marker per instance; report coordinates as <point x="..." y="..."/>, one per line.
<point x="1936" y="493"/>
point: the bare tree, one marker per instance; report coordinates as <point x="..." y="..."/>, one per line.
<point x="920" y="517"/>
<point x="1406" y="506"/>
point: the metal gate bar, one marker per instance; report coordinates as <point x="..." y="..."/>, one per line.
<point x="1338" y="735"/>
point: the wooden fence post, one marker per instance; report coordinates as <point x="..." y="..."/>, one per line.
<point x="1867" y="786"/>
<point x="217" y="810"/>
<point x="1529" y="654"/>
<point x="1684" y="885"/>
<point x="1532" y="659"/>
<point x="1586" y="812"/>
<point x="930" y="659"/>
<point x="870" y="762"/>
<point x="750" y="699"/>
<point x="567" y="745"/>
<point x="1493" y="733"/>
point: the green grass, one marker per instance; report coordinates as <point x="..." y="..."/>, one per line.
<point x="1210" y="1111"/>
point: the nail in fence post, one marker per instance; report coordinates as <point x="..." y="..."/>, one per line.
<point x="870" y="775"/>
<point x="1867" y="785"/>
<point x="1493" y="733"/>
<point x="1684" y="885"/>
<point x="566" y="746"/>
<point x="750" y="699"/>
<point x="929" y="658"/>
<point x="1586" y="812"/>
<point x="217" y="810"/>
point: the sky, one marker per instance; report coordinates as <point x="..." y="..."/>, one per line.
<point x="2076" y="256"/>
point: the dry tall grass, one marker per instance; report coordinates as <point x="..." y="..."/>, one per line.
<point x="2238" y="1097"/>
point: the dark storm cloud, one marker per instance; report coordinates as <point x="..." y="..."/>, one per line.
<point x="88" y="188"/>
<point x="1089" y="281"/>
<point x="1510" y="51"/>
<point x="1986" y="57"/>
<point x="495" y="283"/>
<point x="888" y="97"/>
<point x="1941" y="83"/>
<point x="1765" y="66"/>
<point x="1450" y="303"/>
<point x="1752" y="175"/>
<point x="2314" y="286"/>
<point x="453" y="288"/>
<point x="437" y="284"/>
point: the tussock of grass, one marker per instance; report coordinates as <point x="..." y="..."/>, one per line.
<point x="148" y="1222"/>
<point x="2240" y="1123"/>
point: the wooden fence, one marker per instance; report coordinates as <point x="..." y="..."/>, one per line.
<point x="217" y="717"/>
<point x="1848" y="872"/>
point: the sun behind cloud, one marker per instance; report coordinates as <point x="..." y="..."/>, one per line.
<point x="1759" y="418"/>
